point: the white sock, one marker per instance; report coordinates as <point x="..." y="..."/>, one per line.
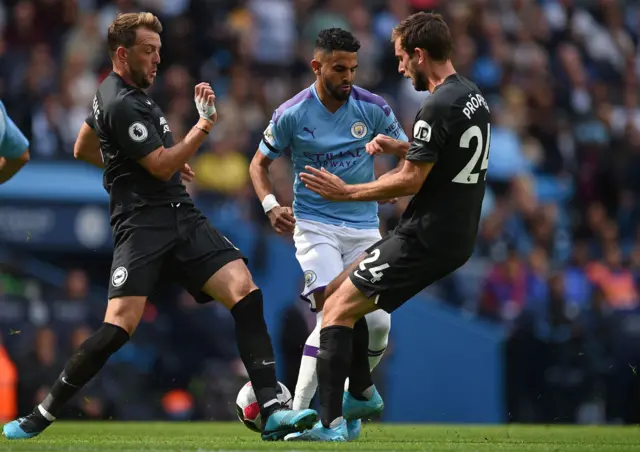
<point x="307" y="376"/>
<point x="379" y="325"/>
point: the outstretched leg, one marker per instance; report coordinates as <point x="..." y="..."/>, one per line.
<point x="233" y="286"/>
<point x="121" y="319"/>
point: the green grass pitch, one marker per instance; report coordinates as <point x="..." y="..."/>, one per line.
<point x="213" y="436"/>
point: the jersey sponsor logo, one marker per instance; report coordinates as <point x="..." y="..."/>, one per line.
<point x="119" y="276"/>
<point x="422" y="131"/>
<point x="341" y="159"/>
<point x="309" y="277"/>
<point x="268" y="135"/>
<point x="138" y="132"/>
<point x="359" y="129"/>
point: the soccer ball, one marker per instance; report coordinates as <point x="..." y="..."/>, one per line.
<point x="248" y="409"/>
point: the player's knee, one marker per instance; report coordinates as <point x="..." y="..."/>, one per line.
<point x="230" y="284"/>
<point x="125" y="312"/>
<point x="336" y="312"/>
<point x="240" y="286"/>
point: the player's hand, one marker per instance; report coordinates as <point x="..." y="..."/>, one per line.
<point x="204" y="98"/>
<point x="381" y="144"/>
<point x="327" y="185"/>
<point x="282" y="219"/>
<point x="187" y="174"/>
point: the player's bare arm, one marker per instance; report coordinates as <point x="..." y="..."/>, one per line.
<point x="281" y="218"/>
<point x="9" y="167"/>
<point x="405" y="182"/>
<point x="383" y="144"/>
<point x="87" y="147"/>
<point x="164" y="163"/>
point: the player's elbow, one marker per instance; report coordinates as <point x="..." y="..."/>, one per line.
<point x="25" y="157"/>
<point x="259" y="166"/>
<point x="259" y="162"/>
<point x="77" y="152"/>
<point x="163" y="174"/>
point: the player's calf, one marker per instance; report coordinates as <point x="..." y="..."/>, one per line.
<point x="233" y="286"/>
<point x="83" y="365"/>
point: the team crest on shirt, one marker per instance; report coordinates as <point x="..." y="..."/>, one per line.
<point x="309" y="277"/>
<point x="359" y="129"/>
<point x="119" y="276"/>
<point x="268" y="135"/>
<point x="138" y="132"/>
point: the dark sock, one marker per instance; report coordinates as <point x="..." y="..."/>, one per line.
<point x="359" y="374"/>
<point x="334" y="362"/>
<point x="254" y="345"/>
<point x="87" y="361"/>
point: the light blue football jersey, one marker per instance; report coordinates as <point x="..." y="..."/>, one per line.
<point x="12" y="142"/>
<point x="334" y="141"/>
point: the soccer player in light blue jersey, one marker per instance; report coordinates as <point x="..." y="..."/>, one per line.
<point x="14" y="147"/>
<point x="327" y="125"/>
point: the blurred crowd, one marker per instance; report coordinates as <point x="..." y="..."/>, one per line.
<point x="558" y="256"/>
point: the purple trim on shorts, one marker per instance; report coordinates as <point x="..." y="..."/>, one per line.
<point x="310" y="350"/>
<point x="305" y="296"/>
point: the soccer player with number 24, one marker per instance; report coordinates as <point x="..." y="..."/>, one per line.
<point x="445" y="168"/>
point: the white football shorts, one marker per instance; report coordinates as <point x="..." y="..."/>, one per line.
<point x="325" y="250"/>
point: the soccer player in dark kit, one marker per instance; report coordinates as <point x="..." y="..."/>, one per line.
<point x="158" y="231"/>
<point x="445" y="168"/>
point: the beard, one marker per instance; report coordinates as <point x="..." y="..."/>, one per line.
<point x="420" y="81"/>
<point x="336" y="92"/>
<point x="138" y="77"/>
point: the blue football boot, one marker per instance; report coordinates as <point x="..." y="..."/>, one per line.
<point x="353" y="408"/>
<point x="320" y="433"/>
<point x="283" y="422"/>
<point x="25" y="427"/>
<point x="353" y="429"/>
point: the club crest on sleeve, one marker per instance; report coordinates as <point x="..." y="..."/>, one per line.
<point x="119" y="276"/>
<point x="138" y="132"/>
<point x="359" y="129"/>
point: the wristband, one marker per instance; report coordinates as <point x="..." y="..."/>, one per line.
<point x="269" y="202"/>
<point x="202" y="129"/>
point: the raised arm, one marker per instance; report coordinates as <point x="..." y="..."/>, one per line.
<point x="136" y="133"/>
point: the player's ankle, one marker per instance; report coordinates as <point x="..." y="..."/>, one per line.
<point x="265" y="413"/>
<point x="362" y="394"/>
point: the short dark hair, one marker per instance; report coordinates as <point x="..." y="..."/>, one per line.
<point x="122" y="32"/>
<point x="426" y="31"/>
<point x="338" y="39"/>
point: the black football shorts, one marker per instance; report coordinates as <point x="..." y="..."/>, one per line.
<point x="173" y="241"/>
<point x="397" y="268"/>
